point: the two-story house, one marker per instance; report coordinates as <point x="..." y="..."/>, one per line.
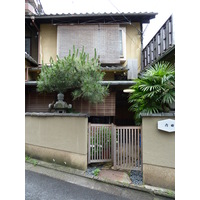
<point x="117" y="38"/>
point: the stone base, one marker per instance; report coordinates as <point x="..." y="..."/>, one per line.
<point x="78" y="161"/>
<point x="159" y="176"/>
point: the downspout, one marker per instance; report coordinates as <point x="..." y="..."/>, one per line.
<point x="141" y="46"/>
<point x="33" y="21"/>
<point x="38" y="35"/>
<point x="38" y="47"/>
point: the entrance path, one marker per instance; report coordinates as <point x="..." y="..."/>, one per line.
<point x="113" y="175"/>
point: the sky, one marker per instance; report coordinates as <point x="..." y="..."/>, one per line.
<point x="164" y="8"/>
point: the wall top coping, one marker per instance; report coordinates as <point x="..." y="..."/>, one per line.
<point x="170" y="114"/>
<point x="42" y="114"/>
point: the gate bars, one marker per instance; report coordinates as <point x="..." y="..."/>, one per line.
<point x="120" y="144"/>
<point x="99" y="148"/>
<point x="127" y="148"/>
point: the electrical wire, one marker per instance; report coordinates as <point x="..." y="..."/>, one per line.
<point x="125" y="17"/>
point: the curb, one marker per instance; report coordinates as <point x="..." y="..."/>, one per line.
<point x="144" y="188"/>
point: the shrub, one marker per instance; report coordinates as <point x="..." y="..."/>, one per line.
<point x="154" y="90"/>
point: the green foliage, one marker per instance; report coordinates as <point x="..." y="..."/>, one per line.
<point x="154" y="90"/>
<point x="30" y="160"/>
<point x="27" y="158"/>
<point x="96" y="171"/>
<point x="77" y="72"/>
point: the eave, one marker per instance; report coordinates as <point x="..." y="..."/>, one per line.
<point x="104" y="69"/>
<point x="30" y="59"/>
<point x="92" y="18"/>
<point x="110" y="83"/>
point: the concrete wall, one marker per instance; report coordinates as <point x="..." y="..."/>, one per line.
<point x="62" y="137"/>
<point x="158" y="152"/>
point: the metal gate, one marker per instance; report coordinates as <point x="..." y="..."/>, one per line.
<point x="127" y="147"/>
<point x="99" y="143"/>
<point x="120" y="144"/>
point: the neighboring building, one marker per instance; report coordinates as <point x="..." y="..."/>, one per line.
<point x="33" y="7"/>
<point x="162" y="46"/>
<point x="117" y="38"/>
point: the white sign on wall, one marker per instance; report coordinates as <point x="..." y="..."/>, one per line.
<point x="167" y="125"/>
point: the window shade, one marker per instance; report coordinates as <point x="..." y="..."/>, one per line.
<point x="105" y="38"/>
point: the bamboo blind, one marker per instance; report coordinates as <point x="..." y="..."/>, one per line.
<point x="105" y="38"/>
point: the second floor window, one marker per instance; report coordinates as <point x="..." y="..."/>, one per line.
<point x="122" y="39"/>
<point x="107" y="39"/>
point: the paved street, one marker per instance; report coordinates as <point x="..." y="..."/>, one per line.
<point x="45" y="188"/>
<point x="46" y="184"/>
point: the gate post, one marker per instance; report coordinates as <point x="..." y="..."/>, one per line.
<point x="89" y="129"/>
<point x="113" y="144"/>
<point x="141" y="149"/>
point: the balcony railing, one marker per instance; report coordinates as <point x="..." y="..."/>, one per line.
<point x="161" y="44"/>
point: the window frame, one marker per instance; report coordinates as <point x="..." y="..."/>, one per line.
<point x="123" y="56"/>
<point x="29" y="39"/>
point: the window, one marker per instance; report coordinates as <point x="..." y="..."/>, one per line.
<point x="26" y="74"/>
<point x="159" y="44"/>
<point x="122" y="37"/>
<point x="28" y="45"/>
<point x="164" y="38"/>
<point x="170" y="32"/>
<point x="121" y="43"/>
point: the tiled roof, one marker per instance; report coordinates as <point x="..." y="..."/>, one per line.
<point x="105" y="68"/>
<point x="114" y="68"/>
<point x="98" y="14"/>
<point x="143" y="17"/>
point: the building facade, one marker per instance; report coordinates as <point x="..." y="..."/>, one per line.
<point x="117" y="38"/>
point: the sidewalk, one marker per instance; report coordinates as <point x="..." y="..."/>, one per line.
<point x="106" y="175"/>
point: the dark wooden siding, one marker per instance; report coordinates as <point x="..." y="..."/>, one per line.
<point x="107" y="108"/>
<point x="38" y="102"/>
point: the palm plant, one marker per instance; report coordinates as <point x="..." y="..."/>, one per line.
<point x="154" y="90"/>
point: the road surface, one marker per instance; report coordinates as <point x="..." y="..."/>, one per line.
<point x="46" y="184"/>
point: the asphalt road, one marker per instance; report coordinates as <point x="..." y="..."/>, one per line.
<point x="41" y="187"/>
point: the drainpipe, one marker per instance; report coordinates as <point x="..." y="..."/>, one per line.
<point x="141" y="46"/>
<point x="33" y="21"/>
<point x="38" y="47"/>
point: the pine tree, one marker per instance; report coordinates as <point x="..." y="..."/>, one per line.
<point x="76" y="72"/>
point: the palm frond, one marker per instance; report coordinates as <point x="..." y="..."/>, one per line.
<point x="154" y="89"/>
